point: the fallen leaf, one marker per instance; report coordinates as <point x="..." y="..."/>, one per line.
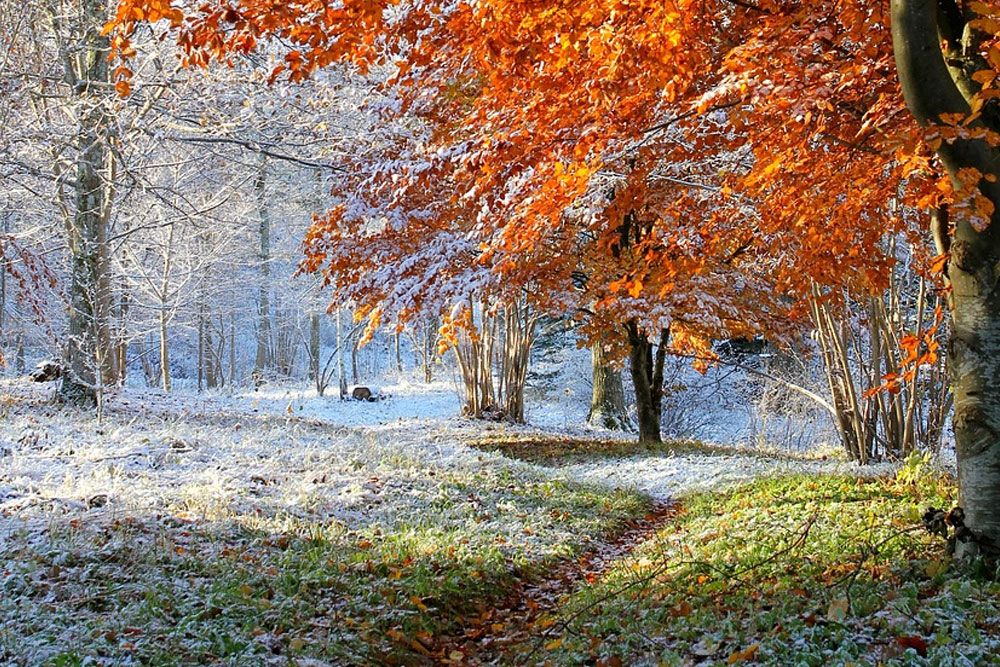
<point x="746" y="654"/>
<point x="915" y="642"/>
<point x="682" y="610"/>
<point x="838" y="610"/>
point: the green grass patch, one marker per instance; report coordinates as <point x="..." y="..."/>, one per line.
<point x="800" y="570"/>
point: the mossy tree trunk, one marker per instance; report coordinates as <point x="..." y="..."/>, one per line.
<point x="607" y="399"/>
<point x="934" y="83"/>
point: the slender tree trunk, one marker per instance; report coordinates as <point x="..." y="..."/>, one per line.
<point x="19" y="353"/>
<point x="262" y="360"/>
<point x="429" y="350"/>
<point x="121" y="339"/>
<point x="164" y="352"/>
<point x="647" y="378"/>
<point x="211" y="360"/>
<point x="354" y="360"/>
<point x="399" y="358"/>
<point x="607" y="399"/>
<point x="201" y="347"/>
<point x="232" y="351"/>
<point x="341" y="373"/>
<point x="934" y="84"/>
<point x="314" y="370"/>
<point x="165" y="310"/>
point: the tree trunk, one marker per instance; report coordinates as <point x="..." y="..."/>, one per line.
<point x="607" y="400"/>
<point x="262" y="360"/>
<point x="121" y="339"/>
<point x="314" y="370"/>
<point x="399" y="359"/>
<point x="341" y="374"/>
<point x="232" y="351"/>
<point x="89" y="354"/>
<point x="932" y="86"/>
<point x="164" y="352"/>
<point x="211" y="365"/>
<point x="354" y="359"/>
<point x="519" y="325"/>
<point x="647" y="379"/>
<point x="165" y="310"/>
<point x="428" y="351"/>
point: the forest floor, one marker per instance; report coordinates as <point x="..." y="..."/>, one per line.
<point x="279" y="527"/>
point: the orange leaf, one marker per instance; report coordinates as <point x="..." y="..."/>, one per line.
<point x="746" y="654"/>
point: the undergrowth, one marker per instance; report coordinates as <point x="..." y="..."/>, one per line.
<point x="800" y="570"/>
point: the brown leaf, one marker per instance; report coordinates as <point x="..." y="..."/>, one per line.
<point x="915" y="642"/>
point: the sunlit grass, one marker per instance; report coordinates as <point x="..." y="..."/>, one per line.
<point x="801" y="570"/>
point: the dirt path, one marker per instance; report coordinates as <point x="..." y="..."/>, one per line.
<point x="515" y="631"/>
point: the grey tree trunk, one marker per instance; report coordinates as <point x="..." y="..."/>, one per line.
<point x="428" y="360"/>
<point x="232" y="351"/>
<point x="121" y="337"/>
<point x="262" y="359"/>
<point x="341" y="373"/>
<point x="399" y="358"/>
<point x="314" y="370"/>
<point x="90" y="359"/>
<point x="164" y="298"/>
<point x="354" y="359"/>
<point x="607" y="399"/>
<point x="934" y="83"/>
<point x="201" y="347"/>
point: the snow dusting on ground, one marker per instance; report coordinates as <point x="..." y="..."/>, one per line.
<point x="290" y="450"/>
<point x="175" y="509"/>
<point x="669" y="476"/>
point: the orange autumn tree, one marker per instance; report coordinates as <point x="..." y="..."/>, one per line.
<point x="816" y="156"/>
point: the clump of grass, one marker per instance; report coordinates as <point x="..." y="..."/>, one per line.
<point x="803" y="570"/>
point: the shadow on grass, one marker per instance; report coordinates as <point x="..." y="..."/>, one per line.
<point x="550" y="450"/>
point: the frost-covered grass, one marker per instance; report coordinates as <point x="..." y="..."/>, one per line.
<point x="795" y="570"/>
<point x="277" y="524"/>
<point x="185" y="529"/>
